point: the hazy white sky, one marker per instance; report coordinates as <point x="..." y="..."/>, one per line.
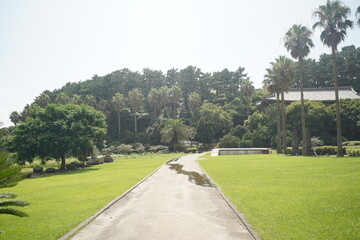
<point x="45" y="44"/>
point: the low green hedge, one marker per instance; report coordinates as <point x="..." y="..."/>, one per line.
<point x="328" y="150"/>
<point x="351" y="143"/>
<point x="191" y="150"/>
<point x="353" y="150"/>
<point x="289" y="150"/>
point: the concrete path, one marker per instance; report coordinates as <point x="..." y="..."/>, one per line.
<point x="177" y="202"/>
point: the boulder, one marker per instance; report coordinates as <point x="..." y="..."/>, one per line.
<point x="50" y="170"/>
<point x="108" y="159"/>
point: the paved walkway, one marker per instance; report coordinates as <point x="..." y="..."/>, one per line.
<point x="177" y="202"/>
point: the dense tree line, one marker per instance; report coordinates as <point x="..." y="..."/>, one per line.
<point x="153" y="107"/>
<point x="318" y="73"/>
<point x="137" y="106"/>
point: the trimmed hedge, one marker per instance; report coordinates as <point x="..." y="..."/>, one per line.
<point x="351" y="143"/>
<point x="328" y="150"/>
<point x="353" y="150"/>
<point x="289" y="150"/>
<point x="191" y="150"/>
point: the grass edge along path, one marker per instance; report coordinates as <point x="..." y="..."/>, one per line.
<point x="292" y="197"/>
<point x="60" y="202"/>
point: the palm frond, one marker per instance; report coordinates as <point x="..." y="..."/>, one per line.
<point x="14" y="212"/>
<point x="17" y="203"/>
<point x="8" y="195"/>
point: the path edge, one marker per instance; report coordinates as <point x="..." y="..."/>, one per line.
<point x="84" y="223"/>
<point x="231" y="205"/>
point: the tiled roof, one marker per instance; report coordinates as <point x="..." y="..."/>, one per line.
<point x="318" y="94"/>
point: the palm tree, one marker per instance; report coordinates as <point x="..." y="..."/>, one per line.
<point x="9" y="176"/>
<point x="119" y="104"/>
<point x="272" y="85"/>
<point x="136" y="103"/>
<point x="333" y="19"/>
<point x="15" y="117"/>
<point x="174" y="132"/>
<point x="247" y="91"/>
<point x="174" y="95"/>
<point x="283" y="70"/>
<point x="298" y="43"/>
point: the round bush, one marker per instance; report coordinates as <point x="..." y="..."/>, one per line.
<point x="229" y="141"/>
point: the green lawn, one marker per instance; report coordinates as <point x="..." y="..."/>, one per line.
<point x="60" y="202"/>
<point x="292" y="197"/>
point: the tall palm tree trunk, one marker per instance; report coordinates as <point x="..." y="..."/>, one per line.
<point x="284" y="142"/>
<point x="135" y="124"/>
<point x="119" y="125"/>
<point x="304" y="144"/>
<point x="337" y="104"/>
<point x="278" y="137"/>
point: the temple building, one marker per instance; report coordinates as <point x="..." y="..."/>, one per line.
<point x="325" y="95"/>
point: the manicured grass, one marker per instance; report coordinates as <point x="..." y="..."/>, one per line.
<point x="60" y="202"/>
<point x="292" y="197"/>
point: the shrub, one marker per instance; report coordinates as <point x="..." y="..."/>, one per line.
<point x="191" y="150"/>
<point x="138" y="147"/>
<point x="71" y="166"/>
<point x="109" y="150"/>
<point x="289" y="150"/>
<point x="205" y="147"/>
<point x="124" y="149"/>
<point x="351" y="143"/>
<point x="328" y="150"/>
<point x="353" y="152"/>
<point x="229" y="141"/>
<point x="158" y="148"/>
<point x="246" y="143"/>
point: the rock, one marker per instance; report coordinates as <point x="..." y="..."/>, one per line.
<point x="100" y="160"/>
<point x="108" y="159"/>
<point x="70" y="166"/>
<point x="50" y="170"/>
<point x="92" y="161"/>
<point x="38" y="169"/>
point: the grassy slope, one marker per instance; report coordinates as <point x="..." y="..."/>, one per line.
<point x="292" y="197"/>
<point x="60" y="202"/>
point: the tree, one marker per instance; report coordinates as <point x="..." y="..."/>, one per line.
<point x="42" y="100"/>
<point x="62" y="98"/>
<point x="213" y="119"/>
<point x="298" y="43"/>
<point x="188" y="81"/>
<point x="9" y="177"/>
<point x="118" y="102"/>
<point x="229" y="141"/>
<point x="174" y="95"/>
<point x="136" y="103"/>
<point x="154" y="100"/>
<point x="15" y="117"/>
<point x="358" y="15"/>
<point x="271" y="83"/>
<point x="173" y="132"/>
<point x="194" y="102"/>
<point x="333" y="19"/>
<point x="57" y="131"/>
<point x="317" y="117"/>
<point x="247" y="90"/>
<point x="283" y="71"/>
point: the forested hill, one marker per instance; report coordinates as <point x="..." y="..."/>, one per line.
<point x="212" y="103"/>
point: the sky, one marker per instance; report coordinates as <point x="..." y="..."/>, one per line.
<point x="47" y="43"/>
